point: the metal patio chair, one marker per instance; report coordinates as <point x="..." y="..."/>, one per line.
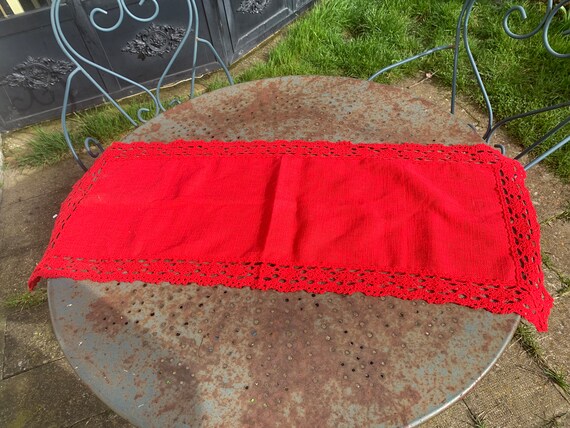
<point x="88" y="68"/>
<point x="462" y="40"/>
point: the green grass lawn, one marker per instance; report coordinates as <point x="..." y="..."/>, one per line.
<point x="104" y="123"/>
<point x="357" y="37"/>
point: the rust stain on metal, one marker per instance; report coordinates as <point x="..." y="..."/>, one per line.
<point x="155" y="127"/>
<point x="215" y="354"/>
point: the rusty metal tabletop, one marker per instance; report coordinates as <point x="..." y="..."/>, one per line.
<point x="186" y="356"/>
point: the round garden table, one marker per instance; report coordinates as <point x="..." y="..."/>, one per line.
<point x="187" y="356"/>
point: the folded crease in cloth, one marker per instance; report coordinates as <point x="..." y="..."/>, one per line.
<point x="446" y="224"/>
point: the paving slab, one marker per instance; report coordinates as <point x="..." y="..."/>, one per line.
<point x="456" y="416"/>
<point x="556" y="343"/>
<point x="516" y="393"/>
<point x="2" y="338"/>
<point x="31" y="199"/>
<point x="29" y="211"/>
<point x="30" y="341"/>
<point x="49" y="396"/>
<point x="106" y="419"/>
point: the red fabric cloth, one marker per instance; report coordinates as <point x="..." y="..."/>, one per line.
<point x="442" y="224"/>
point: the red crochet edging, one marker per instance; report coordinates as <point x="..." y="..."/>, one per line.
<point x="495" y="297"/>
<point x="527" y="298"/>
<point x="480" y="153"/>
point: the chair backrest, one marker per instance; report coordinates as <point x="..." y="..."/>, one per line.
<point x="87" y="67"/>
<point x="462" y="40"/>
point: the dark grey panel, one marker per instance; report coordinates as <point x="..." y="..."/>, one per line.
<point x="33" y="68"/>
<point x="251" y="21"/>
<point x="141" y="51"/>
<point x="137" y="50"/>
<point x="299" y="4"/>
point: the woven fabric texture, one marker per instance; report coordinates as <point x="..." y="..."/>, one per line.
<point x="446" y="224"/>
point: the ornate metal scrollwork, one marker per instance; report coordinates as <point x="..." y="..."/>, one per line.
<point x="37" y="73"/>
<point x="462" y="38"/>
<point x="544" y="25"/>
<point x="253" y="6"/>
<point x="156" y="40"/>
<point x="123" y="9"/>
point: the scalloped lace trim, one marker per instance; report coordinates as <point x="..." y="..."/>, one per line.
<point x="479" y="154"/>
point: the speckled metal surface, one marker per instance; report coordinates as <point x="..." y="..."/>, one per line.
<point x="163" y="355"/>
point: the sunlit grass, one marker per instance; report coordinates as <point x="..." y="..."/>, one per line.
<point x="104" y="123"/>
<point x="528" y="341"/>
<point x="356" y="38"/>
<point x="27" y="299"/>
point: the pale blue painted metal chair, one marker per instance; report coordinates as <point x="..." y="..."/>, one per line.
<point x="462" y="39"/>
<point x="85" y="66"/>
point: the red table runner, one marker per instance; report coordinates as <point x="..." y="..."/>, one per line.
<point x="442" y="224"/>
